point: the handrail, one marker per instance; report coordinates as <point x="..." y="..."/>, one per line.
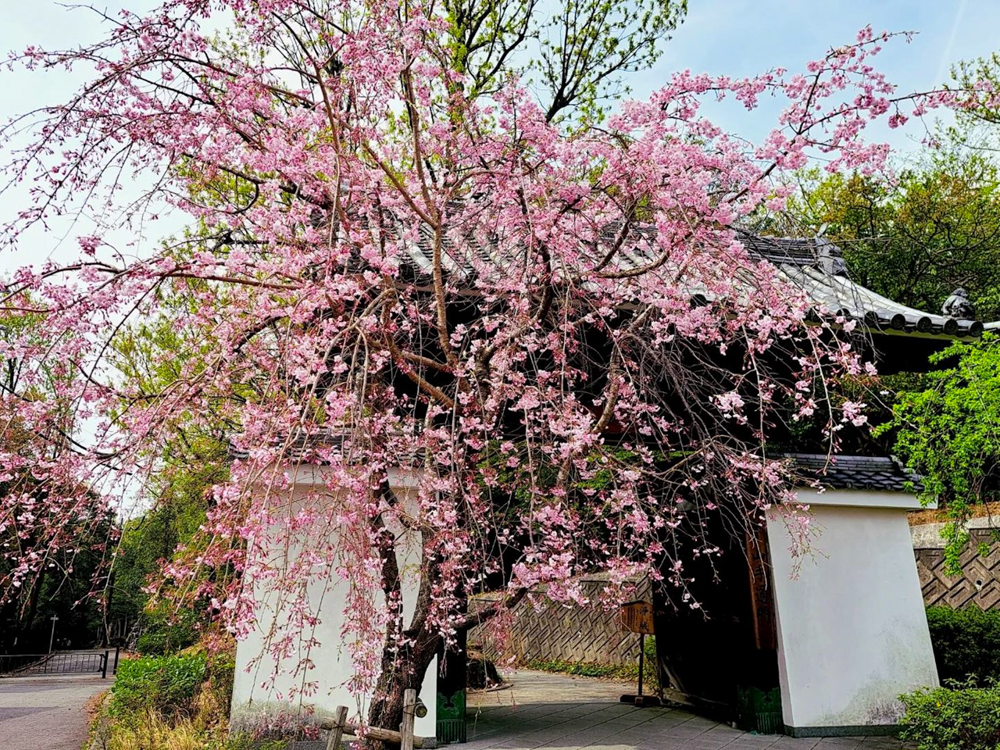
<point x="404" y="737"/>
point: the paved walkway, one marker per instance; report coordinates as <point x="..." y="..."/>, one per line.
<point x="46" y="713"/>
<point x="559" y="712"/>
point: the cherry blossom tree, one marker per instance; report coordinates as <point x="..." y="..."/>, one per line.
<point x="389" y="266"/>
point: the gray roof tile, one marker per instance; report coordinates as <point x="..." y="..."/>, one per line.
<point x="878" y="473"/>
<point x="815" y="265"/>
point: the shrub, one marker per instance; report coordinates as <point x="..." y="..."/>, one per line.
<point x="167" y="685"/>
<point x="176" y="702"/>
<point x="220" y="673"/>
<point x="952" y="718"/>
<point x="167" y="632"/>
<point x="966" y="643"/>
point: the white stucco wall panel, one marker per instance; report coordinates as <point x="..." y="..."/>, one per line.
<point x="256" y="703"/>
<point x="852" y="633"/>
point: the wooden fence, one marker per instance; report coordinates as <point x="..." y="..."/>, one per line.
<point x="555" y="632"/>
<point x="339" y="726"/>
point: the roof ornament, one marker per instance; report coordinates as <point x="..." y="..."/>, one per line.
<point x="828" y="255"/>
<point x="958" y="306"/>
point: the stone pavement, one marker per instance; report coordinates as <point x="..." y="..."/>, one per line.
<point x="560" y="712"/>
<point x="46" y="713"/>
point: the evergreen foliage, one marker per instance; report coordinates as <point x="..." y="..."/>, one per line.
<point x="949" y="433"/>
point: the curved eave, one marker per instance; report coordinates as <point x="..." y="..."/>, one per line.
<point x="878" y="314"/>
<point x="941" y="336"/>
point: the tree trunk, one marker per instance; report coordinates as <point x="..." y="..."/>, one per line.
<point x="408" y="671"/>
<point x="402" y="667"/>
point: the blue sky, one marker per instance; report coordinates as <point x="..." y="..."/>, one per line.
<point x="735" y="37"/>
<point x="744" y="37"/>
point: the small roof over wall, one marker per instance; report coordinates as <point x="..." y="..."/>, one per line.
<point x="875" y="473"/>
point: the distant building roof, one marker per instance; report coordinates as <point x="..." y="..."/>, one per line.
<point x="880" y="473"/>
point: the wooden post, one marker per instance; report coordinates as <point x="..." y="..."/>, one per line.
<point x="406" y="728"/>
<point x="333" y="742"/>
<point x="642" y="665"/>
<point x="376" y="733"/>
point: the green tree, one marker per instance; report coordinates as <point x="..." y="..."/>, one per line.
<point x="177" y="494"/>
<point x="978" y="80"/>
<point x="574" y="54"/>
<point x="916" y="241"/>
<point x="190" y="467"/>
<point x="949" y="433"/>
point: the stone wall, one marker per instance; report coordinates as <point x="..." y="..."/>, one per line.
<point x="979" y="583"/>
<point x="545" y="631"/>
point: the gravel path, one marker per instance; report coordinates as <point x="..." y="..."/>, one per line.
<point x="46" y="713"/>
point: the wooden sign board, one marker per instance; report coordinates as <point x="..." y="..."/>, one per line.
<point x="638" y="617"/>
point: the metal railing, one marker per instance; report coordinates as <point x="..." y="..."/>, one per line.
<point x="59" y="663"/>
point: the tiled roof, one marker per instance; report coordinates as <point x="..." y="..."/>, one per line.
<point x="879" y="473"/>
<point x="815" y="265"/>
<point x="795" y="251"/>
<point x="316" y="447"/>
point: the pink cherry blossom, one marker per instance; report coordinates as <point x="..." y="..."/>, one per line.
<point x="557" y="335"/>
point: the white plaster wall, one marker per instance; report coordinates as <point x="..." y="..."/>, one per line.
<point x="852" y="633"/>
<point x="255" y="704"/>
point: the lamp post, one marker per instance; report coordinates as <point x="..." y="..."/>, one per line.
<point x="53" y="636"/>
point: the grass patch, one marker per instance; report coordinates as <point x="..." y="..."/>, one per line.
<point x="587" y="669"/>
<point x="175" y="702"/>
<point x="624" y="672"/>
